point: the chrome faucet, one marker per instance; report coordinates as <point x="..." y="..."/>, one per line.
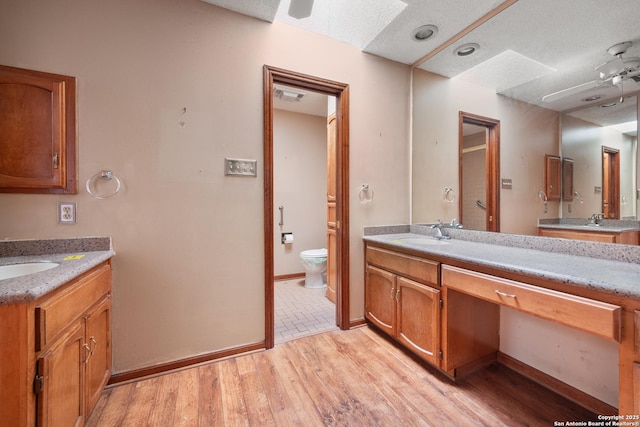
<point x="596" y="218"/>
<point x="455" y="224"/>
<point x="438" y="234"/>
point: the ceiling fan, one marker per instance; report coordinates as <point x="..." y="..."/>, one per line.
<point x="612" y="73"/>
<point x="300" y="8"/>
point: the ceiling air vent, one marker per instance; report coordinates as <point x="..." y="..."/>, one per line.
<point x="287" y="95"/>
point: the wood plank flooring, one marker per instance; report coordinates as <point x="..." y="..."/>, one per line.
<point x="338" y="378"/>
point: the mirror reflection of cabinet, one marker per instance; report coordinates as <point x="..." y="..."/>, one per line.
<point x="567" y="179"/>
<point x="37" y="132"/>
<point x="552" y="173"/>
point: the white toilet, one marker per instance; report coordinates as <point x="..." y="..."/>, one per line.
<point x="315" y="264"/>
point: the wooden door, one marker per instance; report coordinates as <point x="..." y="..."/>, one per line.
<point x="380" y="299"/>
<point x="98" y="338"/>
<point x="418" y="319"/>
<point x="332" y="224"/>
<point x="610" y="183"/>
<point x="60" y="391"/>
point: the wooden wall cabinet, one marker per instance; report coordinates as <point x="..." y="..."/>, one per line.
<point x="567" y="179"/>
<point x="56" y="362"/>
<point x="552" y="177"/>
<point x="37" y="132"/>
<point x="406" y="308"/>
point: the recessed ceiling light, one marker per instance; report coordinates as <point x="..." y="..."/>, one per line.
<point x="424" y="32"/>
<point x="466" y="49"/>
<point x="591" y="98"/>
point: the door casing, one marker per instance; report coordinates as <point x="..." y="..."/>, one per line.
<point x="272" y="76"/>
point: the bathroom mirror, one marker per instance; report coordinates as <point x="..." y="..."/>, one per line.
<point x="509" y="78"/>
<point x="590" y="135"/>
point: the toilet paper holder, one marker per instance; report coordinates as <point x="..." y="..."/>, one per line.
<point x="286" y="238"/>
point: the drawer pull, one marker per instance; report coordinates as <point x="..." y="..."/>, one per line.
<point x="398" y="295"/>
<point x="504" y="294"/>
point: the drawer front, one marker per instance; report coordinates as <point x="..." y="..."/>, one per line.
<point x="418" y="269"/>
<point x="56" y="313"/>
<point x="589" y="315"/>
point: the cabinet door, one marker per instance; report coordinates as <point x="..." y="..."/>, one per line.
<point x="98" y="339"/>
<point x="552" y="174"/>
<point x="418" y="319"/>
<point x="60" y="382"/>
<point x="380" y="299"/>
<point x="37" y="132"/>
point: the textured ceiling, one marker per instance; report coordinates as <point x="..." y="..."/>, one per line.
<point x="530" y="49"/>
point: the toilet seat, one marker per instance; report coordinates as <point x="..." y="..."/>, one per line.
<point x="314" y="253"/>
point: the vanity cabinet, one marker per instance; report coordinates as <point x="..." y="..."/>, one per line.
<point x="624" y="237"/>
<point x="402" y="298"/>
<point x="37" y="132"/>
<point x="56" y="361"/>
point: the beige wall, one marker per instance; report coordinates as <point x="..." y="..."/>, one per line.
<point x="188" y="274"/>
<point x="527" y="133"/>
<point x="300" y="186"/>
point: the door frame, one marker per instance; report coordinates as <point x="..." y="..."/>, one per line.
<point x="272" y="76"/>
<point x="611" y="181"/>
<point x="492" y="166"/>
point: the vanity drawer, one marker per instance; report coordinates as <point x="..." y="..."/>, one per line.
<point x="56" y="313"/>
<point x="418" y="269"/>
<point x="589" y="315"/>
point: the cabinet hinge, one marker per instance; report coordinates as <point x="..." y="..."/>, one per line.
<point x="55" y="160"/>
<point x="38" y="384"/>
<point x="441" y="303"/>
<point x="440" y="355"/>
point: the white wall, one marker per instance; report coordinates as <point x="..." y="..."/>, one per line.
<point x="300" y="186"/>
<point x="189" y="269"/>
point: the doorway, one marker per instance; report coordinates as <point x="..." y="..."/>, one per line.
<point x="479" y="172"/>
<point x="610" y="183"/>
<point x="340" y="91"/>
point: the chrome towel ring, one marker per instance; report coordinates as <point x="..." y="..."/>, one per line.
<point x="103" y="175"/>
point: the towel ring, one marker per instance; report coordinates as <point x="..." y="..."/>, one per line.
<point x="449" y="195"/>
<point x="366" y="194"/>
<point x="106" y="175"/>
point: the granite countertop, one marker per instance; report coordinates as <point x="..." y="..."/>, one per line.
<point x="593" y="228"/>
<point x="75" y="256"/>
<point x="603" y="275"/>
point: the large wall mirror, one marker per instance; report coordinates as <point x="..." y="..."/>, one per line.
<point x="602" y="142"/>
<point x="559" y="93"/>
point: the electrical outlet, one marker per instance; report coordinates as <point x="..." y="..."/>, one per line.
<point x="67" y="212"/>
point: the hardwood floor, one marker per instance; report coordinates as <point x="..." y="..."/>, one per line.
<point x="338" y="378"/>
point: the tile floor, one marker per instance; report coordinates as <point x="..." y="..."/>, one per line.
<point x="300" y="312"/>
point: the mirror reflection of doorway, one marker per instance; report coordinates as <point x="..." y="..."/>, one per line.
<point x="610" y="183"/>
<point x="479" y="171"/>
<point x="474" y="199"/>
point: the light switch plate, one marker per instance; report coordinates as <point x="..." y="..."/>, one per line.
<point x="240" y="167"/>
<point x="66" y="212"/>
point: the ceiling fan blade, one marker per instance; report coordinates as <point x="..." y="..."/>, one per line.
<point x="300" y="8"/>
<point x="610" y="68"/>
<point x="571" y="91"/>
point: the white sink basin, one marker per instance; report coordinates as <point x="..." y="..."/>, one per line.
<point x="426" y="241"/>
<point x="16" y="270"/>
